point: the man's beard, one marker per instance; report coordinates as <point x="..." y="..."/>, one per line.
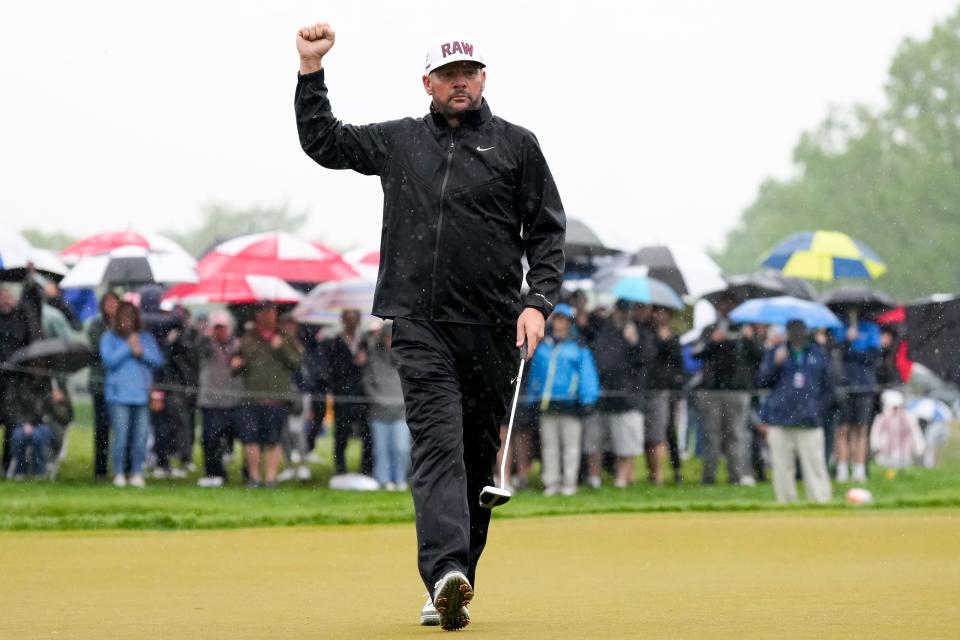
<point x="448" y="109"/>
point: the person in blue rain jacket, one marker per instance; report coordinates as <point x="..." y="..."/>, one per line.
<point x="564" y="385"/>
<point x="130" y="356"/>
<point x="798" y="374"/>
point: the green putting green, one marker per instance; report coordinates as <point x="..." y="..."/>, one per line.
<point x="859" y="574"/>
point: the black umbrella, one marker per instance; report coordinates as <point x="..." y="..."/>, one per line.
<point x="53" y="356"/>
<point x="583" y="250"/>
<point x="933" y="331"/>
<point x="582" y="240"/>
<point x="794" y="287"/>
<point x="748" y="287"/>
<point x="865" y="301"/>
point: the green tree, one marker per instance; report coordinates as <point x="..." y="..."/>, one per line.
<point x="219" y="222"/>
<point x="888" y="176"/>
<point x="52" y="240"/>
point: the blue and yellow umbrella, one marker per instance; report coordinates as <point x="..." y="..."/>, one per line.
<point x="825" y="256"/>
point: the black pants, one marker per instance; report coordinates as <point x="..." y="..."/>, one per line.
<point x="456" y="384"/>
<point x="315" y="428"/>
<point x="101" y="435"/>
<point x="349" y="418"/>
<point x="171" y="429"/>
<point x="219" y="426"/>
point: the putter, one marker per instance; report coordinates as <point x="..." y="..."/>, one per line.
<point x="492" y="496"/>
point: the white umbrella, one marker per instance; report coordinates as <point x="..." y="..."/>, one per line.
<point x="130" y="265"/>
<point x="16" y="253"/>
<point x="356" y="293"/>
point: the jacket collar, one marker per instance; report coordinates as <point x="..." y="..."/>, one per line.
<point x="473" y="119"/>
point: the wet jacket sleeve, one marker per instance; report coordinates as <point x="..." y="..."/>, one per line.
<point x="544" y="228"/>
<point x="30" y="310"/>
<point x="328" y="141"/>
<point x="289" y="355"/>
<point x="114" y="351"/>
<point x="589" y="391"/>
<point x="152" y="356"/>
<point x="769" y="371"/>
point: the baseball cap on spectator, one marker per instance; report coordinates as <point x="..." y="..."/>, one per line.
<point x="892" y="398"/>
<point x="446" y="51"/>
<point x="219" y="319"/>
<point x="565" y="310"/>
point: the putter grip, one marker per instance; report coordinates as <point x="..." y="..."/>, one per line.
<point x="523" y="351"/>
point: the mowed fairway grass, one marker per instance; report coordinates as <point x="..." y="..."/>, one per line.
<point x="877" y="574"/>
<point x="81" y="560"/>
<point x="75" y="502"/>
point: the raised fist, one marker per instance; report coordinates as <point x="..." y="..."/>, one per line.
<point x="315" y="41"/>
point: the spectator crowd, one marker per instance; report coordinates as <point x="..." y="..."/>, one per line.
<point x="608" y="388"/>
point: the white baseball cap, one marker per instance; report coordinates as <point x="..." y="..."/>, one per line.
<point x="452" y="51"/>
<point x="219" y="318"/>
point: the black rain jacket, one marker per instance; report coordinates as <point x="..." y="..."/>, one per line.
<point x="460" y="208"/>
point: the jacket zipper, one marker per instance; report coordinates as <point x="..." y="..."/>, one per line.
<point x="436" y="249"/>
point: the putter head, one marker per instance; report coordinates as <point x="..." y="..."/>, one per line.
<point x="490" y="497"/>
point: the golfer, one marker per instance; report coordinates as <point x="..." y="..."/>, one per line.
<point x="466" y="195"/>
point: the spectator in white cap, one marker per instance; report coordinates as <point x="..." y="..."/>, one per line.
<point x="218" y="398"/>
<point x="466" y="196"/>
<point x="895" y="438"/>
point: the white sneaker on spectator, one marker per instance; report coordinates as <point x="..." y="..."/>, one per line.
<point x="451" y="596"/>
<point x="620" y="483"/>
<point x="429" y="617"/>
<point x="303" y="472"/>
<point x="137" y="481"/>
<point x="287" y="475"/>
<point x="859" y="473"/>
<point x="402" y="486"/>
<point x="160" y="473"/>
<point x="313" y="457"/>
<point x="227" y="459"/>
<point x="210" y="482"/>
<point x="747" y="481"/>
<point x="177" y="472"/>
<point x="551" y="491"/>
<point x="295" y="457"/>
<point x="119" y="480"/>
<point x="843" y="472"/>
<point x="389" y="486"/>
<point x="568" y="491"/>
<point x="595" y="482"/>
<point x="190" y="467"/>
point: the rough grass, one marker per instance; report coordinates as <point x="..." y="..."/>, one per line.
<point x="75" y="502"/>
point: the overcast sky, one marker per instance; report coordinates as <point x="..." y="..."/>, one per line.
<point x="659" y="119"/>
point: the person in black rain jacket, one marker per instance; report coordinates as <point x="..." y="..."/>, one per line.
<point x="466" y="196"/>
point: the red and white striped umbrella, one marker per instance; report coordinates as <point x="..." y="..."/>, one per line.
<point x="131" y="266"/>
<point x="101" y="243"/>
<point x="366" y="260"/>
<point x="233" y="288"/>
<point x="277" y="254"/>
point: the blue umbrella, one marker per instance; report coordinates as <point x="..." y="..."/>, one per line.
<point x="647" y="291"/>
<point x="782" y="310"/>
<point x="930" y="409"/>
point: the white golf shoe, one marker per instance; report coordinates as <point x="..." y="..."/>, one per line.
<point x="451" y="597"/>
<point x="428" y="615"/>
